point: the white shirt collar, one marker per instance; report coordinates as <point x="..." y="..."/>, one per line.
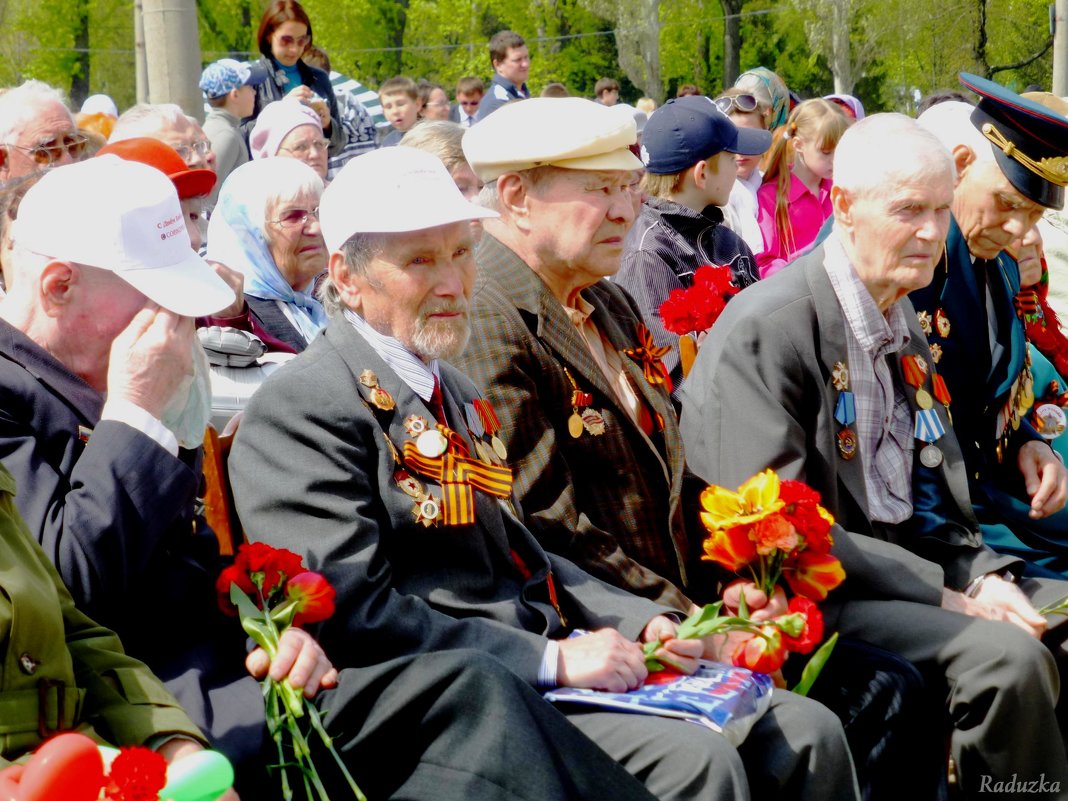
<point x="412" y="370"/>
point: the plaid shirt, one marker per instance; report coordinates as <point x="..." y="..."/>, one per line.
<point x="884" y="430"/>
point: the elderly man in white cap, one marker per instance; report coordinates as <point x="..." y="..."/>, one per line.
<point x="390" y="478"/>
<point x="37" y="130"/>
<point x="105" y="399"/>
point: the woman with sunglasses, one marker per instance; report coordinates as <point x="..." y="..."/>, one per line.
<point x="266" y="227"/>
<point x="285" y="33"/>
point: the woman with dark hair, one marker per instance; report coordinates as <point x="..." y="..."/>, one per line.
<point x="285" y="33"/>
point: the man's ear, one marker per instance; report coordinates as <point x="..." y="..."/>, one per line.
<point x="842" y="204"/>
<point x="963" y="157"/>
<point x="348" y="284"/>
<point x="4" y="166"/>
<point x="59" y="283"/>
<point x="514" y="196"/>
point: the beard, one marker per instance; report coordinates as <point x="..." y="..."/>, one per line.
<point x="441" y="338"/>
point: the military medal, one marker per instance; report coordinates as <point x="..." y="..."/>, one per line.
<point x="84" y="433"/>
<point x="583" y="416"/>
<point x="929" y="429"/>
<point x="941" y="324"/>
<point x="379" y="397"/>
<point x="411" y="486"/>
<point x="845" y="411"/>
<point x="593" y="422"/>
<point x="431" y="443"/>
<point x="491" y="424"/>
<point x="941" y="393"/>
<point x="936" y="353"/>
<point x="930" y="456"/>
<point x="1049" y="420"/>
<point x="415" y="425"/>
<point x="925" y="322"/>
<point x="574" y="425"/>
<point x="427" y="511"/>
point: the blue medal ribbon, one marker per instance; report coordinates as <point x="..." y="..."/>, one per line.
<point x="845" y="412"/>
<point x="928" y="427"/>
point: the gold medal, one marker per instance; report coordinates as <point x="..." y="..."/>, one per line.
<point x="431" y="443"/>
<point x="411" y="486"/>
<point x="924" y="318"/>
<point x="942" y="324"/>
<point x="847" y="443"/>
<point x="498" y="448"/>
<point x="574" y="425"/>
<point x="382" y="399"/>
<point x="427" y="512"/>
<point x="936" y="352"/>
<point x="485" y="453"/>
<point x="415" y="425"/>
<point x="924" y="399"/>
<point x="840" y="376"/>
<point x="368" y="379"/>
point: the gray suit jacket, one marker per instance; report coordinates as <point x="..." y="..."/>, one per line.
<point x="761" y="395"/>
<point x="312" y="472"/>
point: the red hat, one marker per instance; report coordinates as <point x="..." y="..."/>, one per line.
<point x="189" y="183"/>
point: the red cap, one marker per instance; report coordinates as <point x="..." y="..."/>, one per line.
<point x="189" y="183"/>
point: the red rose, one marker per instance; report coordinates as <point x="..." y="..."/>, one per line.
<point x="137" y="774"/>
<point x="812" y="626"/>
<point x="314" y="597"/>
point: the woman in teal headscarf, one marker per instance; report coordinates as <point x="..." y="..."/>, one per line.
<point x="266" y="226"/>
<point x="770" y="92"/>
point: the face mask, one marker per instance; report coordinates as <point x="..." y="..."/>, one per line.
<point x="189" y="410"/>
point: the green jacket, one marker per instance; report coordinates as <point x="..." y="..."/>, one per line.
<point x="58" y="669"/>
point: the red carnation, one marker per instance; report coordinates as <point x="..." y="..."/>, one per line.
<point x="677" y="313"/>
<point x="137" y="774"/>
<point x="697" y="308"/>
<point x="812" y="631"/>
<point x="265" y="566"/>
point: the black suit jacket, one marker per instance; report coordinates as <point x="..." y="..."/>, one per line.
<point x="115" y="515"/>
<point x="312" y="471"/>
<point x="275" y="323"/>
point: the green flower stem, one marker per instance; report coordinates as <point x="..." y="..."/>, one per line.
<point x="328" y="741"/>
<point x="1056" y="608"/>
<point x="273" y="715"/>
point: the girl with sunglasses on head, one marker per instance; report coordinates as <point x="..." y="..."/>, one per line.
<point x="285" y="33"/>
<point x="795" y="198"/>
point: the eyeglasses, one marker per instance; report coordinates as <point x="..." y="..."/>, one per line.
<point x="471" y="103"/>
<point x="288" y="41"/>
<point x="201" y="148"/>
<point x="439" y="104"/>
<point x="744" y="103"/>
<point x="296" y="218"/>
<point x="51" y="151"/>
<point x="305" y="147"/>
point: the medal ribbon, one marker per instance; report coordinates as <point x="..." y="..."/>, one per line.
<point x="928" y="427"/>
<point x="457" y="475"/>
<point x="487" y="415"/>
<point x="941" y="391"/>
<point x="914" y="374"/>
<point x="649" y="356"/>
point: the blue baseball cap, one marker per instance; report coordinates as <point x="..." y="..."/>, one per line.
<point x="1030" y="141"/>
<point x="227" y="74"/>
<point x="686" y="130"/>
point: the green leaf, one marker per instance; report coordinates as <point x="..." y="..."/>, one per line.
<point x="689" y="628"/>
<point x="815" y="666"/>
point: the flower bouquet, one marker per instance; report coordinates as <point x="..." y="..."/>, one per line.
<point x="772" y="530"/>
<point x="72" y="767"/>
<point x="694" y="310"/>
<point x="271" y="590"/>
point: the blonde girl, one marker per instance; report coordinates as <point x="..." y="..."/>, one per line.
<point x="795" y="198"/>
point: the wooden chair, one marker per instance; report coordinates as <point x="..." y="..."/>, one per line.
<point x="218" y="499"/>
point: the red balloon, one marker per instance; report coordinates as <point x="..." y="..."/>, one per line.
<point x="66" y="768"/>
<point x="9" y="791"/>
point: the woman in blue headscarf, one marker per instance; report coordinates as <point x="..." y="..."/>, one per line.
<point x="266" y="227"/>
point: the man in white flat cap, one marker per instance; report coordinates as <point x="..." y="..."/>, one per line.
<point x="390" y="477"/>
<point x="105" y="399"/>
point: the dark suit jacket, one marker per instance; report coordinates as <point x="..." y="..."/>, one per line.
<point x="608" y="502"/>
<point x="312" y="472"/>
<point x="275" y="323"/>
<point x="115" y="515"/>
<point x="761" y="395"/>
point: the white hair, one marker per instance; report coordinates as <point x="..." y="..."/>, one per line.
<point x="951" y="123"/>
<point x="146" y="119"/>
<point x="22" y="104"/>
<point x="886" y="149"/>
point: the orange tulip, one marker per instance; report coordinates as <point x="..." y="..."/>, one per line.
<point x="730" y="547"/>
<point x="813" y="575"/>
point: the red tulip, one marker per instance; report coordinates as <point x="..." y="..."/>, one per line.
<point x="813" y="575"/>
<point x="314" y="597"/>
<point x="761" y="654"/>
<point x="730" y="547"/>
<point x="807" y="629"/>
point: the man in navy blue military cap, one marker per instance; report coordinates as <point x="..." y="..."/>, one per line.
<point x="1011" y="155"/>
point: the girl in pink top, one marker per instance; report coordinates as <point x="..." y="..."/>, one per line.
<point x="795" y="198"/>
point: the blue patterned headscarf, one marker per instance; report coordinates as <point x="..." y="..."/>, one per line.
<point x="770" y="89"/>
<point x="237" y="233"/>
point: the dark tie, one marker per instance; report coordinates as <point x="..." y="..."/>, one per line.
<point x="437" y="403"/>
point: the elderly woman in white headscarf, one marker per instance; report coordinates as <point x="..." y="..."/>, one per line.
<point x="290" y="129"/>
<point x="266" y="227"/>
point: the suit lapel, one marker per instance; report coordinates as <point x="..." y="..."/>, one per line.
<point x="832" y="326"/>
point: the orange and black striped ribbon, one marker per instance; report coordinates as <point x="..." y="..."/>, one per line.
<point x="459" y="476"/>
<point x="649" y="356"/>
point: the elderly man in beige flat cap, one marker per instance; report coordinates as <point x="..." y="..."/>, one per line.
<point x="584" y="406"/>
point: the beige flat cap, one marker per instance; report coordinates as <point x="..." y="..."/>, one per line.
<point x="568" y="132"/>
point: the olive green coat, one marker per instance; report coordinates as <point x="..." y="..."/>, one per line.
<point x="47" y="644"/>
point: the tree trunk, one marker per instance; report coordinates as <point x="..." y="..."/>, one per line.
<point x="79" y="87"/>
<point x="841" y="57"/>
<point x="732" y="40"/>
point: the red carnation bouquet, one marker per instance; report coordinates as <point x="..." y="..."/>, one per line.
<point x="772" y="530"/>
<point x="695" y="309"/>
<point x="271" y="590"/>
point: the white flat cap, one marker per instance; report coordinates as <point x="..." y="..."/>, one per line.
<point x="568" y="132"/>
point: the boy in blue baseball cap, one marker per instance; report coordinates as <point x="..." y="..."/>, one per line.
<point x="688" y="148"/>
<point x="230" y="90"/>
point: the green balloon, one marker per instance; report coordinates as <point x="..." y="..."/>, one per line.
<point x="202" y="776"/>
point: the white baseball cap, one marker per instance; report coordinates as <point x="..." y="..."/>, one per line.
<point x="392" y="190"/>
<point x="124" y="217"/>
